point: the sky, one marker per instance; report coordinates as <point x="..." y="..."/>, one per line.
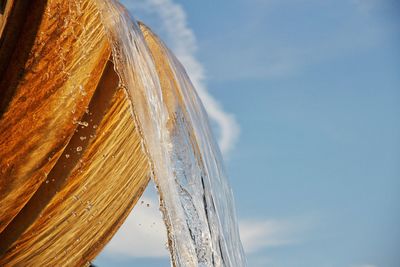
<point x="304" y="99"/>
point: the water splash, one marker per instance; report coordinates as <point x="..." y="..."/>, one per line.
<point x="196" y="199"/>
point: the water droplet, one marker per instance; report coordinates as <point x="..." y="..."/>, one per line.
<point x="82" y="90"/>
<point x="82" y="123"/>
<point x="67" y="155"/>
<point x="89" y="207"/>
<point x="79" y="148"/>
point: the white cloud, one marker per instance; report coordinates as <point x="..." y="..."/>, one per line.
<point x="259" y="234"/>
<point x="144" y="234"/>
<point x="183" y="44"/>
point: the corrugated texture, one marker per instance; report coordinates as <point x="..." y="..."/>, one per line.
<point x="69" y="54"/>
<point x="71" y="160"/>
<point x="99" y="193"/>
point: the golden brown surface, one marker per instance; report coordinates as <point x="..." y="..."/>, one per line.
<point x="98" y="195"/>
<point x="70" y="172"/>
<point x="5" y="8"/>
<point x="165" y="74"/>
<point x="170" y="88"/>
<point x="48" y="98"/>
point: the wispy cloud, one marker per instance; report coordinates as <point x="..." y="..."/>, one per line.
<point x="144" y="234"/>
<point x="183" y="42"/>
<point x="258" y="234"/>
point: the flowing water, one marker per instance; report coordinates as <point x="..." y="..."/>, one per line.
<point x="196" y="199"/>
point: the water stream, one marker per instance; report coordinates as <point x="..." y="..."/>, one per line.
<point x="195" y="197"/>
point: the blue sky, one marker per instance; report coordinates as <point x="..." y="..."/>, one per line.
<point x="308" y="116"/>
